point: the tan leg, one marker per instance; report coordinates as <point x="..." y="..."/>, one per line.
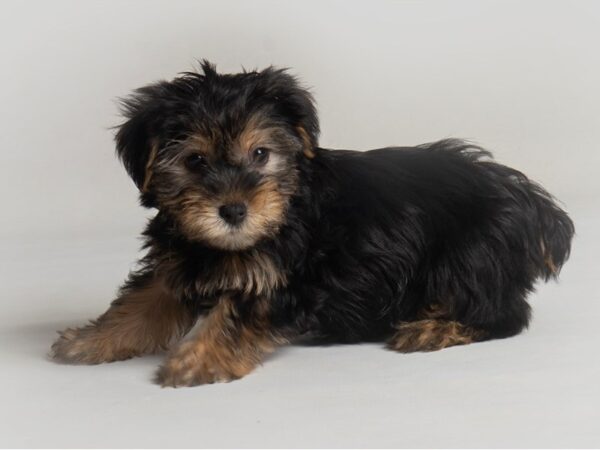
<point x="223" y="347"/>
<point x="142" y="320"/>
<point x="432" y="334"/>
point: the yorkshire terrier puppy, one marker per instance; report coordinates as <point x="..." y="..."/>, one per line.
<point x="261" y="237"/>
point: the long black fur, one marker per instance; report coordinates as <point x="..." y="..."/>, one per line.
<point x="394" y="229"/>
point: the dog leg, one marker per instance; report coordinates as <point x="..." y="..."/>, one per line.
<point x="430" y="335"/>
<point x="143" y="319"/>
<point x="224" y="346"/>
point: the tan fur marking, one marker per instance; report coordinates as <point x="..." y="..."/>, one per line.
<point x="267" y="206"/>
<point x="307" y="146"/>
<point x="550" y="264"/>
<point x="200" y="219"/>
<point x="548" y="261"/>
<point x="198" y="143"/>
<point x="253" y="272"/>
<point x="255" y="134"/>
<point x="222" y="349"/>
<point x="431" y="335"/>
<point x="249" y="272"/>
<point x="139" y="322"/>
<point x="149" y="166"/>
<point x="198" y="215"/>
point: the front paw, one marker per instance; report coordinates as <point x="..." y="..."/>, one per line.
<point x="70" y="347"/>
<point x="191" y="365"/>
<point x="85" y="346"/>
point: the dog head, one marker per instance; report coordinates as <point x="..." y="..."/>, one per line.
<point x="219" y="153"/>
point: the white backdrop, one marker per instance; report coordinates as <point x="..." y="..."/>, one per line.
<point x="518" y="77"/>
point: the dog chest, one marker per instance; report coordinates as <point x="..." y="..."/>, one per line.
<point x="249" y="272"/>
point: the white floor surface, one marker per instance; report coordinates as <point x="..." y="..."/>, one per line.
<point x="541" y="388"/>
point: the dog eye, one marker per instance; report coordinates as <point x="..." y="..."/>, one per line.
<point x="260" y="155"/>
<point x="196" y="162"/>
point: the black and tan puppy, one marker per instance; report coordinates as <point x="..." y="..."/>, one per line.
<point x="262" y="237"/>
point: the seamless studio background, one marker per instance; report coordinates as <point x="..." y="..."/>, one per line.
<point x="518" y="77"/>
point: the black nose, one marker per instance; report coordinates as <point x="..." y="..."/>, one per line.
<point x="234" y="213"/>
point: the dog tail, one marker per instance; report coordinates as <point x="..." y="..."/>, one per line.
<point x="548" y="238"/>
<point x="556" y="230"/>
<point x="552" y="230"/>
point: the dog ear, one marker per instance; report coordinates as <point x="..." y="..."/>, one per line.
<point x="295" y="102"/>
<point x="308" y="121"/>
<point x="137" y="142"/>
<point x="308" y="148"/>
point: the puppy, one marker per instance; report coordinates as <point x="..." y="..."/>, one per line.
<point x="261" y="237"/>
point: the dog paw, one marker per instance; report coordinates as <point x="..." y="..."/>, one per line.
<point x="84" y="346"/>
<point x="189" y="365"/>
<point x="70" y="347"/>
